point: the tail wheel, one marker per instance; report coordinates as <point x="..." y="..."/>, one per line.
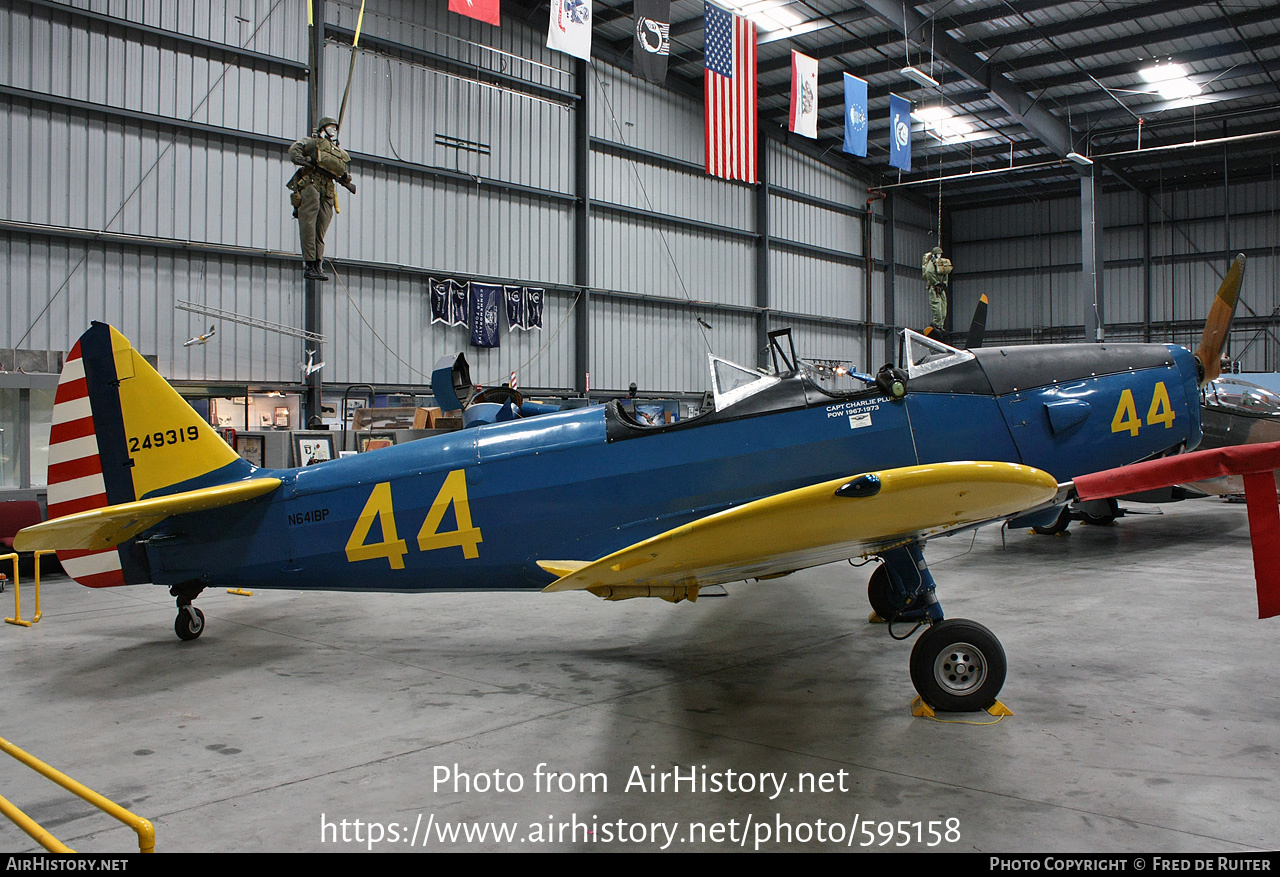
<point x="1058" y="526"/>
<point x="1101" y="513"/>
<point x="958" y="665"/>
<point x="189" y="624"/>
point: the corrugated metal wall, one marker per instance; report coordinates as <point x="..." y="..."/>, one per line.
<point x="151" y="171"/>
<point x="1026" y="258"/>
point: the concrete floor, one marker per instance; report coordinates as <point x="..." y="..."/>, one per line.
<point x="1143" y="686"/>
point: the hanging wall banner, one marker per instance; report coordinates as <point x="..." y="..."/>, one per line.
<point x="484" y="10"/>
<point x="457" y="303"/>
<point x="855" y="115"/>
<point x="900" y="132"/>
<point x="533" y="299"/>
<point x="513" y="296"/>
<point x="485" y="310"/>
<point x="652" y="43"/>
<point x="439" y="292"/>
<point x="570" y="30"/>
<point x="804" y="95"/>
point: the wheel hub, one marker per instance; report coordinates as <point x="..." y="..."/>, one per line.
<point x="960" y="668"/>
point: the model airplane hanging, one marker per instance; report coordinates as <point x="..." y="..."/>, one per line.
<point x="310" y="367"/>
<point x="784" y="473"/>
<point x="201" y="339"/>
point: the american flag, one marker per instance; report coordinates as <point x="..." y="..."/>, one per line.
<point x="730" y="81"/>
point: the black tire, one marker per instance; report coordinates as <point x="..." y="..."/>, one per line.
<point x="878" y="593"/>
<point x="1107" y="517"/>
<point x="958" y="666"/>
<point x="185" y="628"/>
<point x="1058" y="526"/>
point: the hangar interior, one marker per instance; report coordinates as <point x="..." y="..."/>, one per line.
<point x="146" y="189"/>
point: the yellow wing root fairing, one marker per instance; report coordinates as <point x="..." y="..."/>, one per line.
<point x="107" y="527"/>
<point x="811" y="526"/>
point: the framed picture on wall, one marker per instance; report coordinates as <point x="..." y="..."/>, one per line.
<point x="372" y="441"/>
<point x="250" y="448"/>
<point x="311" y="449"/>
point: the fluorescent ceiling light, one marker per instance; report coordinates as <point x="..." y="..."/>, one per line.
<point x="920" y="77"/>
<point x="1079" y="159"/>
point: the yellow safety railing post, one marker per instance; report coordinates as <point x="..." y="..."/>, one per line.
<point x="39" y="554"/>
<point x="17" y="603"/>
<point x="143" y="827"/>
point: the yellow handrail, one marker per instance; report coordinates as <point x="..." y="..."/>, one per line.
<point x="146" y="832"/>
<point x="17" y="603"/>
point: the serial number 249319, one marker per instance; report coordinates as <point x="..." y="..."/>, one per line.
<point x="160" y="439"/>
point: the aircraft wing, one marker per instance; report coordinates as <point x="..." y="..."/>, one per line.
<point x="821" y="523"/>
<point x="110" y="525"/>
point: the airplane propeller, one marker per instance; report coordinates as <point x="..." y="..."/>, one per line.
<point x="978" y="327"/>
<point x="1218" y="326"/>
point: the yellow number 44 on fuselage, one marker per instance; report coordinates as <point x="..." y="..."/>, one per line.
<point x="1126" y="416"/>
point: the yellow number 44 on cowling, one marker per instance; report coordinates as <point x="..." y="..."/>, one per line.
<point x="1126" y="416"/>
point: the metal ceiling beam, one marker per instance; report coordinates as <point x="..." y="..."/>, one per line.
<point x="1217" y="52"/>
<point x="1021" y="106"/>
<point x="1126" y="13"/>
<point x="1141" y="40"/>
<point x="1208" y="108"/>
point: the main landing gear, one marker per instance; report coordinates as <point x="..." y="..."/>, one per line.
<point x="956" y="665"/>
<point x="190" y="621"/>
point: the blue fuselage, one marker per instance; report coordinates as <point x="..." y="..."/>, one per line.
<point x="478" y="507"/>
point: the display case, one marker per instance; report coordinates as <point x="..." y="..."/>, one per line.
<point x="26" y="413"/>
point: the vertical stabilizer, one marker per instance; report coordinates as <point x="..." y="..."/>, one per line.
<point x="120" y="433"/>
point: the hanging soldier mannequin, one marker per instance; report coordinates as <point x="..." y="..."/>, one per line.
<point x="936" y="269"/>
<point x="321" y="162"/>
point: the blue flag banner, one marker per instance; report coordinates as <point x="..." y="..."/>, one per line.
<point x="485" y="310"/>
<point x="533" y="299"/>
<point x="855" y="115"/>
<point x="439" y="291"/>
<point x="900" y="132"/>
<point x="514" y="298"/>
<point x="457" y="303"/>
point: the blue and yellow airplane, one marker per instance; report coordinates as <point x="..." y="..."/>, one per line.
<point x="786" y="472"/>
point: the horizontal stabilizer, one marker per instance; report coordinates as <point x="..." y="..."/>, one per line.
<point x="814" y="525"/>
<point x="563" y="567"/>
<point x="108" y="526"/>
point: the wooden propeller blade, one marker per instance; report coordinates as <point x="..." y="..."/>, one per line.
<point x="978" y="327"/>
<point x="1218" y="325"/>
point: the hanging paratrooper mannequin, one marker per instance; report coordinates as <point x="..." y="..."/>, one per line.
<point x="936" y="269"/>
<point x="321" y="162"/>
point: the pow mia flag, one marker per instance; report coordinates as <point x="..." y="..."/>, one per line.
<point x="652" y="43"/>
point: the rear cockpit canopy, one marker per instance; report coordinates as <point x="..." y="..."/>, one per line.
<point x="731" y="383"/>
<point x="922" y="355"/>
